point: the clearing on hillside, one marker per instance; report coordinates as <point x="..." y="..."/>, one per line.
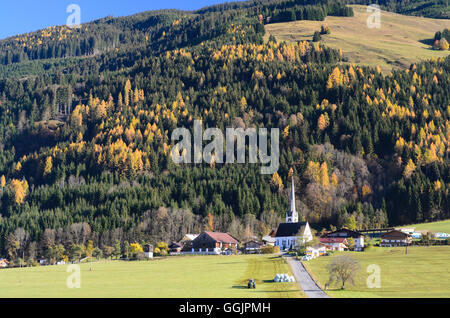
<point x="400" y="41"/>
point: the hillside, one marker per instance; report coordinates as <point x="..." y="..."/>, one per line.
<point x="401" y="40"/>
<point x="86" y="124"/>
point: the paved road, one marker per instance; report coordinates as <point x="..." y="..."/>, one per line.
<point x="304" y="279"/>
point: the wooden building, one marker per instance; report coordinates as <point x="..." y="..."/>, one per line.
<point x="395" y="238"/>
<point x="346" y="233"/>
<point x="252" y="247"/>
<point x="214" y="243"/>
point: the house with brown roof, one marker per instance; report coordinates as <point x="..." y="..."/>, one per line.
<point x="214" y="243"/>
<point x="395" y="238"/>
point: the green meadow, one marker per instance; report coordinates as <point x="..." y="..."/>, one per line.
<point x="440" y="226"/>
<point x="423" y="272"/>
<point x="171" y="277"/>
<point x="400" y="41"/>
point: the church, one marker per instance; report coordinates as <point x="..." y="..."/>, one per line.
<point x="289" y="233"/>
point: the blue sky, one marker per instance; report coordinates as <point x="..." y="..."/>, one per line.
<point x="22" y="16"/>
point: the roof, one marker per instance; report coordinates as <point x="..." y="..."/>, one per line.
<point x="348" y="233"/>
<point x="175" y="245"/>
<point x="330" y="240"/>
<point x="316" y="247"/>
<point x="190" y="236"/>
<point x="395" y="234"/>
<point x="222" y="237"/>
<point x="268" y="238"/>
<point x="290" y="229"/>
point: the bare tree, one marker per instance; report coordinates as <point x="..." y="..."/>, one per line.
<point x="343" y="268"/>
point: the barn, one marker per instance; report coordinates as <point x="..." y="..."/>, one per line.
<point x="214" y="243"/>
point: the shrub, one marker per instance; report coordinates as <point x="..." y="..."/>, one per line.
<point x="269" y="249"/>
<point x="316" y="37"/>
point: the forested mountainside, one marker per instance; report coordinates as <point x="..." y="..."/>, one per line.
<point x="87" y="115"/>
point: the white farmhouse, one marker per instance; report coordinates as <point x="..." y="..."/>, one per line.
<point x="289" y="233"/>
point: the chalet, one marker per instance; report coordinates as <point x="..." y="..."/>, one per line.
<point x="252" y="247"/>
<point x="395" y="238"/>
<point x="346" y="233"/>
<point x="290" y="233"/>
<point x="213" y="243"/>
<point x="316" y="250"/>
<point x="175" y="248"/>
<point x="334" y="243"/>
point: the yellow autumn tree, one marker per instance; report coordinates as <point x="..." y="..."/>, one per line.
<point x="324" y="180"/>
<point x="2" y="181"/>
<point x="322" y="122"/>
<point x="313" y="171"/>
<point x="48" y="165"/>
<point x="276" y="182"/>
<point x="127" y="91"/>
<point x="20" y="189"/>
<point x="409" y="169"/>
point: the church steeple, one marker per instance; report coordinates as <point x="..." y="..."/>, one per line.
<point x="292" y="215"/>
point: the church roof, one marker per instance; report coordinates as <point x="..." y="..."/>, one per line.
<point x="290" y="229"/>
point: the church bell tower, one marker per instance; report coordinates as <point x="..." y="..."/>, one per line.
<point x="292" y="215"/>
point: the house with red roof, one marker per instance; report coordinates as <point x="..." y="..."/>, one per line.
<point x="214" y="243"/>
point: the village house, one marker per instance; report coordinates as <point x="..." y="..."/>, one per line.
<point x="252" y="247"/>
<point x="186" y="242"/>
<point x="268" y="240"/>
<point x="395" y="238"/>
<point x="290" y="233"/>
<point x="214" y="243"/>
<point x="334" y="243"/>
<point x="346" y="233"/>
<point x="175" y="248"/>
<point x="316" y="250"/>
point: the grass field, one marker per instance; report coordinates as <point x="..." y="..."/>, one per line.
<point x="184" y="277"/>
<point x="440" y="226"/>
<point x="423" y="272"/>
<point x="396" y="43"/>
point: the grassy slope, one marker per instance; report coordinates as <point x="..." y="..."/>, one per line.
<point x="185" y="277"/>
<point x="424" y="272"/>
<point x="440" y="226"/>
<point x="397" y="42"/>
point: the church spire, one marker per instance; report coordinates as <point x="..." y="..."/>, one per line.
<point x="292" y="215"/>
